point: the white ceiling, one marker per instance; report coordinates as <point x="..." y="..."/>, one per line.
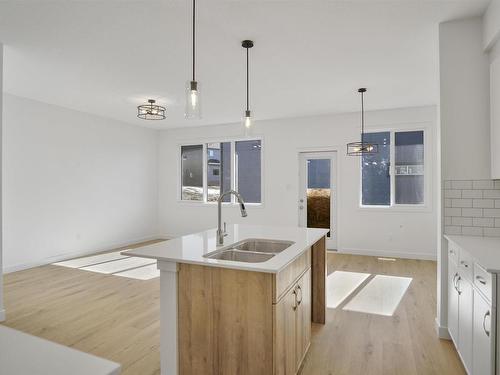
<point x="106" y="57"/>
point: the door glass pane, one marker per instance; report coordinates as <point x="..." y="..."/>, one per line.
<point x="409" y="167"/>
<point x="376" y="180"/>
<point x="248" y="163"/>
<point x="192" y="172"/>
<point x="218" y="170"/>
<point x="318" y="193"/>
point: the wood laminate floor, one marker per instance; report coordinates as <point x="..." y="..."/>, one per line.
<point x="118" y="318"/>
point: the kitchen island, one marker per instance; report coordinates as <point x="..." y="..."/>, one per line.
<point x="249" y="316"/>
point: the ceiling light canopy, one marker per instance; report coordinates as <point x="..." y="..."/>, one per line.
<point x="362" y="147"/>
<point x="247" y="118"/>
<point x="193" y="108"/>
<point x="151" y="111"/>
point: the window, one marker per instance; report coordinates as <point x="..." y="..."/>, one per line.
<point x="209" y="169"/>
<point x="403" y="184"/>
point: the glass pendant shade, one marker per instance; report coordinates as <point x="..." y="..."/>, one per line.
<point x="193" y="105"/>
<point x="247" y="122"/>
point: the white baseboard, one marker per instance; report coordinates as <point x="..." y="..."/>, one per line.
<point x="2" y="315"/>
<point x="441" y="331"/>
<point x="75" y="254"/>
<point x="389" y="254"/>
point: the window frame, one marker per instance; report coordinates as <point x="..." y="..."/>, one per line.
<point x="426" y="206"/>
<point x="204" y="142"/>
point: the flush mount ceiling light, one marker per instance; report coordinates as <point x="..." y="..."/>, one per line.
<point x="247" y="118"/>
<point x="193" y="109"/>
<point x="362" y="148"/>
<point x="151" y="111"/>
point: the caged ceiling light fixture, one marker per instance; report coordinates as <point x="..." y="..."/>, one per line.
<point x="362" y="148"/>
<point x="151" y="111"/>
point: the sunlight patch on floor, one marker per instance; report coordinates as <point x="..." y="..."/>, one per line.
<point x="142" y="273"/>
<point x="115" y="264"/>
<point x="340" y="285"/>
<point x="380" y="296"/>
<point x="91" y="260"/>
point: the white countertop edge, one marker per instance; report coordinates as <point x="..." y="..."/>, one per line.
<point x="273" y="265"/>
<point x="483" y="248"/>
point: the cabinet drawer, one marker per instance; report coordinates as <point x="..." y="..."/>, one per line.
<point x="466" y="265"/>
<point x="452" y="253"/>
<point x="482" y="280"/>
<point x="288" y="276"/>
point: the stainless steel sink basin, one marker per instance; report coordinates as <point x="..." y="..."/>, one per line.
<point x="250" y="250"/>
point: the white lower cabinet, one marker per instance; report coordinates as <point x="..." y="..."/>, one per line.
<point x="471" y="313"/>
<point x="482" y="340"/>
<point x="465" y="321"/>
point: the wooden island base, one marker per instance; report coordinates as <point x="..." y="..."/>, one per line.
<point x="246" y="322"/>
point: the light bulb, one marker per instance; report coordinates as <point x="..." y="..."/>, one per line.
<point x="247" y="122"/>
<point x="193" y="108"/>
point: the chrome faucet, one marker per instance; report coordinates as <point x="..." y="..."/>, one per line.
<point x="220" y="233"/>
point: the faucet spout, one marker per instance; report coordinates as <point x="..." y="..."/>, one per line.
<point x="220" y="233"/>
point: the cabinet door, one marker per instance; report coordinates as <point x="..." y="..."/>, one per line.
<point x="303" y="316"/>
<point x="465" y="321"/>
<point x="452" y="302"/>
<point x="483" y="344"/>
<point x="285" y="334"/>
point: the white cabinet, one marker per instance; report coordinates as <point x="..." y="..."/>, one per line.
<point x="453" y="302"/>
<point x="495" y="118"/>
<point x="471" y="312"/>
<point x="483" y="347"/>
<point x="465" y="311"/>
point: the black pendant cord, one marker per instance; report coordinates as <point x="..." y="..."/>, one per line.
<point x="247" y="83"/>
<point x="362" y="118"/>
<point x="194" y="40"/>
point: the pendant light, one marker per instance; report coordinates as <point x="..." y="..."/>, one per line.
<point x="193" y="109"/>
<point x="247" y="118"/>
<point x="362" y="148"/>
<point x="151" y="111"/>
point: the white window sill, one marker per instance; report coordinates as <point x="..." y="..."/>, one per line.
<point x="214" y="204"/>
<point x="397" y="208"/>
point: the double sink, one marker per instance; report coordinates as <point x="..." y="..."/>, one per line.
<point x="250" y="250"/>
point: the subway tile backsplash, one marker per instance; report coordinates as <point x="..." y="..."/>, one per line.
<point x="472" y="207"/>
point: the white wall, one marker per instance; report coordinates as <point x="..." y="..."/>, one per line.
<point x="464" y="122"/>
<point x="73" y="183"/>
<point x="2" y="310"/>
<point x="377" y="231"/>
<point x="491" y="24"/>
<point x="464" y="84"/>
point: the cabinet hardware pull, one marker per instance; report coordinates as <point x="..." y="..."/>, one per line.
<point x="295" y="305"/>
<point x="300" y="301"/>
<point x="481" y="280"/>
<point x="456" y="286"/>
<point x="463" y="263"/>
<point x="484" y="323"/>
<point x="452" y="252"/>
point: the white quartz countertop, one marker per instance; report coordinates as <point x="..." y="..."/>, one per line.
<point x="485" y="250"/>
<point x="23" y="354"/>
<point x="192" y="248"/>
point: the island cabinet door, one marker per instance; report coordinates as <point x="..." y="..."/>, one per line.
<point x="303" y="316"/>
<point x="285" y="362"/>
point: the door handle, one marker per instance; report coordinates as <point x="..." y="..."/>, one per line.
<point x="484" y="323"/>
<point x="481" y="280"/>
<point x="295" y="304"/>
<point x="300" y="300"/>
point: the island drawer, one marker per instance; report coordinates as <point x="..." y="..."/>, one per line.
<point x="453" y="253"/>
<point x="466" y="265"/>
<point x="482" y="280"/>
<point x="284" y="279"/>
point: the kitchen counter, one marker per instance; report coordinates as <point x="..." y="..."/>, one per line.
<point x="484" y="250"/>
<point x="200" y="295"/>
<point x="23" y="354"/>
<point x="192" y="248"/>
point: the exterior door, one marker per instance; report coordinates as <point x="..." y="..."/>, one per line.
<point x="318" y="193"/>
